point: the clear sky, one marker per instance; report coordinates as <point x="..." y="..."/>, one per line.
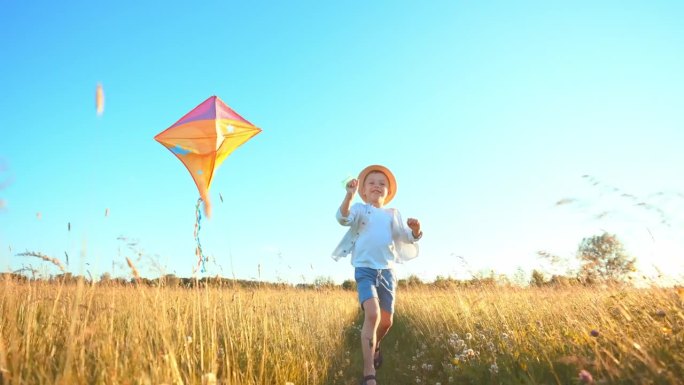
<point x="489" y="113"/>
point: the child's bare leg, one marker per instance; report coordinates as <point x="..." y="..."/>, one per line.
<point x="384" y="326"/>
<point x="371" y="309"/>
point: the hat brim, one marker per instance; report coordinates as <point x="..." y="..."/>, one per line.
<point x="391" y="191"/>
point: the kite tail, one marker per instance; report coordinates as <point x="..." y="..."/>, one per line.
<point x="198" y="226"/>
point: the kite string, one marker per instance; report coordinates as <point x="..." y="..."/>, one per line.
<point x="198" y="226"/>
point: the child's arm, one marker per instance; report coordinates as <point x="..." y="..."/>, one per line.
<point x="345" y="207"/>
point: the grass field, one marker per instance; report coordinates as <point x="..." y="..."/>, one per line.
<point x="53" y="333"/>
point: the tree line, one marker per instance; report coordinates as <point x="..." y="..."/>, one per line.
<point x="602" y="258"/>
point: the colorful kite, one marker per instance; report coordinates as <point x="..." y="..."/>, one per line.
<point x="202" y="140"/>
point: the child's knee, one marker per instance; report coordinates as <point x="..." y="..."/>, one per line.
<point x="372" y="318"/>
<point x="386" y="323"/>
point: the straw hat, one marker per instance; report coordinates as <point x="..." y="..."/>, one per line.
<point x="391" y="189"/>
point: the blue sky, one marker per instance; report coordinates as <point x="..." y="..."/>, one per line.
<point x="489" y="113"/>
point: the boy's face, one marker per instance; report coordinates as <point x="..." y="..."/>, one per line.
<point x="375" y="187"/>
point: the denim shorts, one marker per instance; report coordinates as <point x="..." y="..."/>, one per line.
<point x="373" y="283"/>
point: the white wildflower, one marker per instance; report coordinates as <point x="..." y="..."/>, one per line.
<point x="494" y="369"/>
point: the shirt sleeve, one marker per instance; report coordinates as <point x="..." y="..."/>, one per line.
<point x="401" y="232"/>
<point x="412" y="238"/>
<point x="405" y="242"/>
<point x="348" y="220"/>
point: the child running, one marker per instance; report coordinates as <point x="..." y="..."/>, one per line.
<point x="377" y="239"/>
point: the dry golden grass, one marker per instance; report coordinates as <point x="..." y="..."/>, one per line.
<point x="82" y="334"/>
<point x="545" y="336"/>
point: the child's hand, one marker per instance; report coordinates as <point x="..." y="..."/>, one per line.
<point x="414" y="225"/>
<point x="352" y="186"/>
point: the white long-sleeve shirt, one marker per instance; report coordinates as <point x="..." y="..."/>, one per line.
<point x="377" y="237"/>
